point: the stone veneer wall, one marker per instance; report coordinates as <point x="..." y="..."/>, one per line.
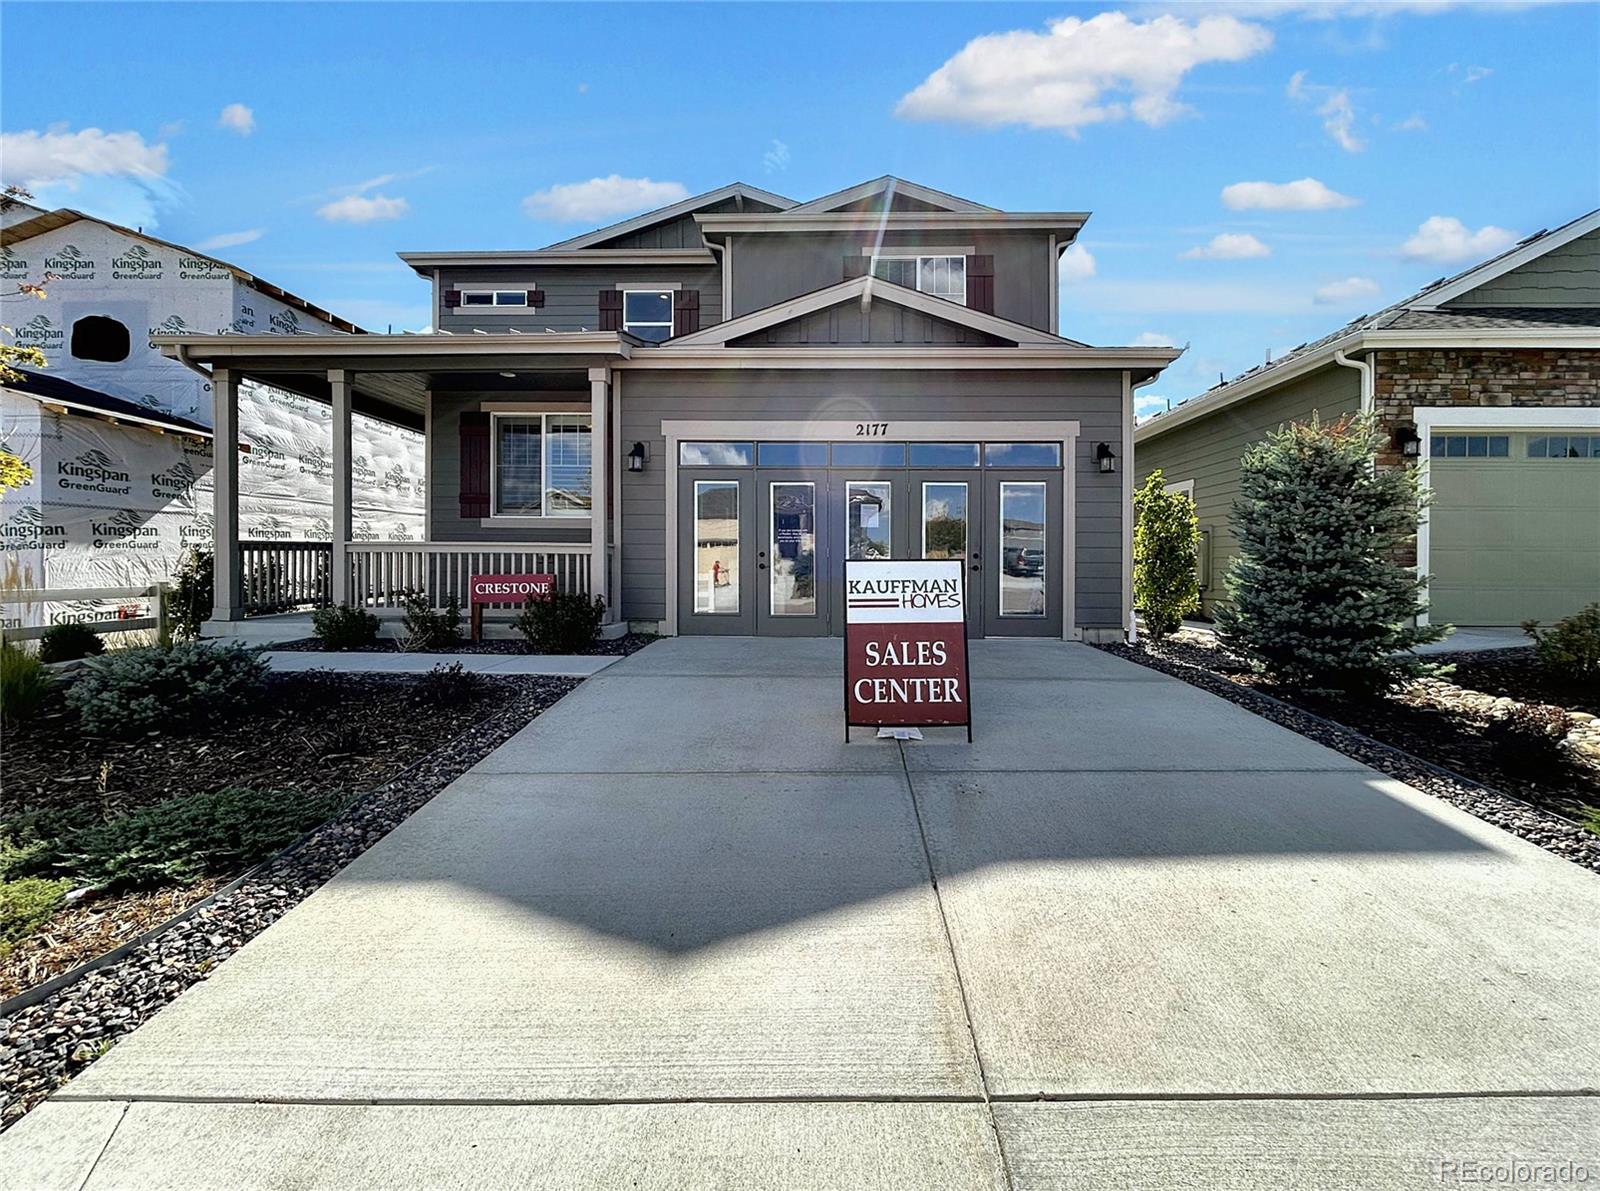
<point x="1477" y="377"/>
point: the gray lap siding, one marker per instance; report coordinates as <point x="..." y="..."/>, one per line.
<point x="1094" y="400"/>
<point x="572" y="295"/>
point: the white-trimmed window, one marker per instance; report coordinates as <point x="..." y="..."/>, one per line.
<point x="939" y="276"/>
<point x="543" y="465"/>
<point x="647" y="313"/>
<point x="494" y="297"/>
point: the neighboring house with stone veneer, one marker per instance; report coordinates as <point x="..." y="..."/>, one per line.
<point x="1488" y="382"/>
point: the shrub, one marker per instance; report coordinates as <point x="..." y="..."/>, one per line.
<point x="450" y="686"/>
<point x="562" y="622"/>
<point x="23" y="680"/>
<point x="344" y="627"/>
<point x="30" y="842"/>
<point x="1318" y="596"/>
<point x="193" y="586"/>
<point x="1529" y="736"/>
<point x="186" y="838"/>
<point x="1571" y="648"/>
<point x="423" y="628"/>
<point x="1166" y="543"/>
<point x="177" y="687"/>
<point x="25" y="906"/>
<point x="69" y="642"/>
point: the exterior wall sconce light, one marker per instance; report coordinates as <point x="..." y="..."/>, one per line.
<point x="1105" y="457"/>
<point x="638" y="456"/>
<point x="1407" y="441"/>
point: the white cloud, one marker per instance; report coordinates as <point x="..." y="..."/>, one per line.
<point x="236" y="117"/>
<point x="1444" y="239"/>
<point x="1476" y="73"/>
<point x="360" y="208"/>
<point x="38" y="158"/>
<point x="1154" y="339"/>
<point x="1333" y="105"/>
<point x="776" y="158"/>
<point x="1307" y="194"/>
<point x="1228" y="246"/>
<point x="1415" y="122"/>
<point x="1080" y="72"/>
<point x="232" y="239"/>
<point x="601" y="198"/>
<point x="1351" y="289"/>
<point x="1148" y="405"/>
<point x="1077" y="263"/>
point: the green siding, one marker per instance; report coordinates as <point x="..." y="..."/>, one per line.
<point x="1565" y="276"/>
<point x="1208" y="450"/>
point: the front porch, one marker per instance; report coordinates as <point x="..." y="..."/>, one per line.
<point x="558" y="387"/>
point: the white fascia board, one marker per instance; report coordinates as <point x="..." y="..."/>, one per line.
<point x="425" y="262"/>
<point x="673" y="211"/>
<point x="865" y="287"/>
<point x="1501" y="265"/>
<point x="1502" y="417"/>
<point x="895" y="221"/>
<point x="94" y="411"/>
<point x="336" y="347"/>
<point x="1512" y="339"/>
<point x="861" y="190"/>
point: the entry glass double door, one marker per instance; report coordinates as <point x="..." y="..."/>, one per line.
<point x="763" y="551"/>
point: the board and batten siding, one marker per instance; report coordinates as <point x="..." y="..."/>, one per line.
<point x="1208" y="451"/>
<point x="571" y="294"/>
<point x="1094" y="399"/>
<point x="444" y="486"/>
<point x="883" y="324"/>
<point x="1564" y="277"/>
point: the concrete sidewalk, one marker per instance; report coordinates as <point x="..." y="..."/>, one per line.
<point x="355" y="662"/>
<point x="678" y="934"/>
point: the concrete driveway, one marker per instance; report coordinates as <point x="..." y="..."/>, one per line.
<point x="677" y="933"/>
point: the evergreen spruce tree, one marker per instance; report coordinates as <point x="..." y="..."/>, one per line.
<point x="1166" y="541"/>
<point x="1318" y="598"/>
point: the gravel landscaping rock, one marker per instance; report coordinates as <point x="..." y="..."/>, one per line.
<point x="45" y="1045"/>
<point x="1213" y="670"/>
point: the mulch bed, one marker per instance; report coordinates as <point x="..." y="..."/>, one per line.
<point x="45" y="1045"/>
<point x="1433" y="748"/>
<point x="311" y="731"/>
<point x="615" y="647"/>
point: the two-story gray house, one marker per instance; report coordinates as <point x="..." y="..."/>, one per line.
<point x="700" y="413"/>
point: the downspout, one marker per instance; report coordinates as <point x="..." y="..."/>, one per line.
<point x="183" y="358"/>
<point x="1368" y="394"/>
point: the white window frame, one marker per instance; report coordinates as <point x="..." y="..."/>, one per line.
<point x="1184" y="486"/>
<point x="920" y="257"/>
<point x="494" y="298"/>
<point x="543" y="413"/>
<point x="672" y="307"/>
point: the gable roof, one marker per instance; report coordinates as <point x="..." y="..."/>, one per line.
<point x="889" y="186"/>
<point x="864" y="289"/>
<point x="673" y="211"/>
<point x="1418" y="316"/>
<point x="54" y="390"/>
<point x="49" y="221"/>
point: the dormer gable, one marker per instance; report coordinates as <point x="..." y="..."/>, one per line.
<point x="673" y="226"/>
<point x="889" y="193"/>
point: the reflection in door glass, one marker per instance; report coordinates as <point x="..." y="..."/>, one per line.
<point x="794" y="549"/>
<point x="1022" y="548"/>
<point x="867" y="520"/>
<point x="944" y="521"/>
<point x="716" y="546"/>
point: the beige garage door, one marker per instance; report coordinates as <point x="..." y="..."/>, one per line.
<point x="1515" y="525"/>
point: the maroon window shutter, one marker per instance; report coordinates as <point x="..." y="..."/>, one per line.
<point x="475" y="464"/>
<point x="452" y="299"/>
<point x="980" y="283"/>
<point x="855" y="266"/>
<point x="611" y="310"/>
<point x="686" y="312"/>
<point x="536" y="297"/>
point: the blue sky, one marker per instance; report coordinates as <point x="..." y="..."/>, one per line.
<point x="308" y="143"/>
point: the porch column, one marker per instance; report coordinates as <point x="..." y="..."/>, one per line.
<point x="599" y="485"/>
<point x="227" y="601"/>
<point x="343" y="496"/>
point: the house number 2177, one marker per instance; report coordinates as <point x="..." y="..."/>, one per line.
<point x="871" y="429"/>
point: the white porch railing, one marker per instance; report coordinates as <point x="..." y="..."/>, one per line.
<point x="381" y="573"/>
<point x="284" y="576"/>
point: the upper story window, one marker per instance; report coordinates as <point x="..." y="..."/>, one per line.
<point x="941" y="276"/>
<point x="647" y="313"/>
<point x="96" y="337"/>
<point x="494" y="297"/>
<point x="542" y="465"/>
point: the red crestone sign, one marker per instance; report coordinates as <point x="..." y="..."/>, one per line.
<point x="510" y="589"/>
